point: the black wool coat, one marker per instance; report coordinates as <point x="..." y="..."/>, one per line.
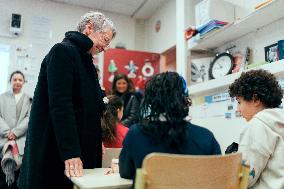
<point x="65" y="115"/>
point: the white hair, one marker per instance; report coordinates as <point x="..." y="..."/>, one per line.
<point x="99" y="21"/>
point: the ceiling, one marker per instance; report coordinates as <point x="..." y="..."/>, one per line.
<point x="140" y="9"/>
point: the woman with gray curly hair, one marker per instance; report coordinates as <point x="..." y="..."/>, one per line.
<point x="102" y="28"/>
<point x="64" y="134"/>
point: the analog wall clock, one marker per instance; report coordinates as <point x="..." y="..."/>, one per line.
<point x="222" y="65"/>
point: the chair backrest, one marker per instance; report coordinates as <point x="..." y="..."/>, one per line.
<point x="110" y="153"/>
<point x="169" y="171"/>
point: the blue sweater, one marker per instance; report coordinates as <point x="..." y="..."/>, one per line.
<point x="137" y="145"/>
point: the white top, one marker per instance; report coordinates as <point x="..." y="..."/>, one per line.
<point x="262" y="145"/>
<point x="96" y="179"/>
<point x="18" y="96"/>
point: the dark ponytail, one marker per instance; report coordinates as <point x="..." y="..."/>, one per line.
<point x="110" y="118"/>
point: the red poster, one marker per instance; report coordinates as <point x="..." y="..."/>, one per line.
<point x="137" y="65"/>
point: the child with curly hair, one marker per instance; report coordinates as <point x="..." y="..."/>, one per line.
<point x="262" y="143"/>
<point x="113" y="132"/>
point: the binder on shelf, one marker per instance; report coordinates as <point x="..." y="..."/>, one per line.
<point x="280" y="46"/>
<point x="271" y="53"/>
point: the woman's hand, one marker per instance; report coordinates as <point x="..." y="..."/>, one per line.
<point x="11" y="136"/>
<point x="73" y="167"/>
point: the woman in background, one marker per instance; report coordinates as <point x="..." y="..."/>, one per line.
<point x="123" y="87"/>
<point x="163" y="126"/>
<point x="113" y="132"/>
<point x="14" y="117"/>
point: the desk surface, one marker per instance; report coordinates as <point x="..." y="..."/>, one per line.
<point x="96" y="179"/>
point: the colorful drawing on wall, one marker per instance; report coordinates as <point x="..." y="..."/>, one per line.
<point x="132" y="68"/>
<point x="112" y="69"/>
<point x="130" y="62"/>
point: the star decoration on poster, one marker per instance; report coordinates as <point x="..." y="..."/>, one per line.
<point x="132" y="68"/>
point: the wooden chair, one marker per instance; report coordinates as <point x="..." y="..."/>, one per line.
<point x="169" y="171"/>
<point x="110" y="153"/>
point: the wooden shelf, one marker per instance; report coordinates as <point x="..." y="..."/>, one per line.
<point x="257" y="19"/>
<point x="221" y="84"/>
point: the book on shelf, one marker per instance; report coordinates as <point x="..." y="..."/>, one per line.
<point x="280" y="46"/>
<point x="211" y="25"/>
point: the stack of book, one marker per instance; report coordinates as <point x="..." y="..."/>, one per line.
<point x="210" y="26"/>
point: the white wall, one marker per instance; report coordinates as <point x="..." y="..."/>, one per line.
<point x="140" y="37"/>
<point x="226" y="131"/>
<point x="62" y="18"/>
<point x="4" y="64"/>
<point x="164" y="39"/>
<point x="244" y="7"/>
<point x="190" y="15"/>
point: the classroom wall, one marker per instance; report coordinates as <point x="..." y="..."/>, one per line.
<point x="63" y="18"/>
<point x="226" y="131"/>
<point x="44" y="24"/>
<point x="140" y="37"/>
<point x="166" y="38"/>
<point x="244" y="7"/>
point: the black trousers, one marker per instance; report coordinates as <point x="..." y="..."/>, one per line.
<point x="3" y="184"/>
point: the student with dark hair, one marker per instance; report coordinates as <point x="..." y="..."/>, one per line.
<point x="262" y="143"/>
<point x="163" y="126"/>
<point x="113" y="132"/>
<point x="123" y="87"/>
<point x="14" y="117"/>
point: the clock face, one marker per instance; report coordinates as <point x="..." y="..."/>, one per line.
<point x="221" y="66"/>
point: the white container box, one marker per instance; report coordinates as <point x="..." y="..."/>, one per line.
<point x="208" y="10"/>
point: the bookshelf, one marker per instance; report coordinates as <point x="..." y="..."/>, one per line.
<point x="257" y="19"/>
<point x="221" y="84"/>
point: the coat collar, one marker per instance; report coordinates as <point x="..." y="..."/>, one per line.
<point x="82" y="42"/>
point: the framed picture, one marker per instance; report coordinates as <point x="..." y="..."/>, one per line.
<point x="200" y="69"/>
<point x="271" y="53"/>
